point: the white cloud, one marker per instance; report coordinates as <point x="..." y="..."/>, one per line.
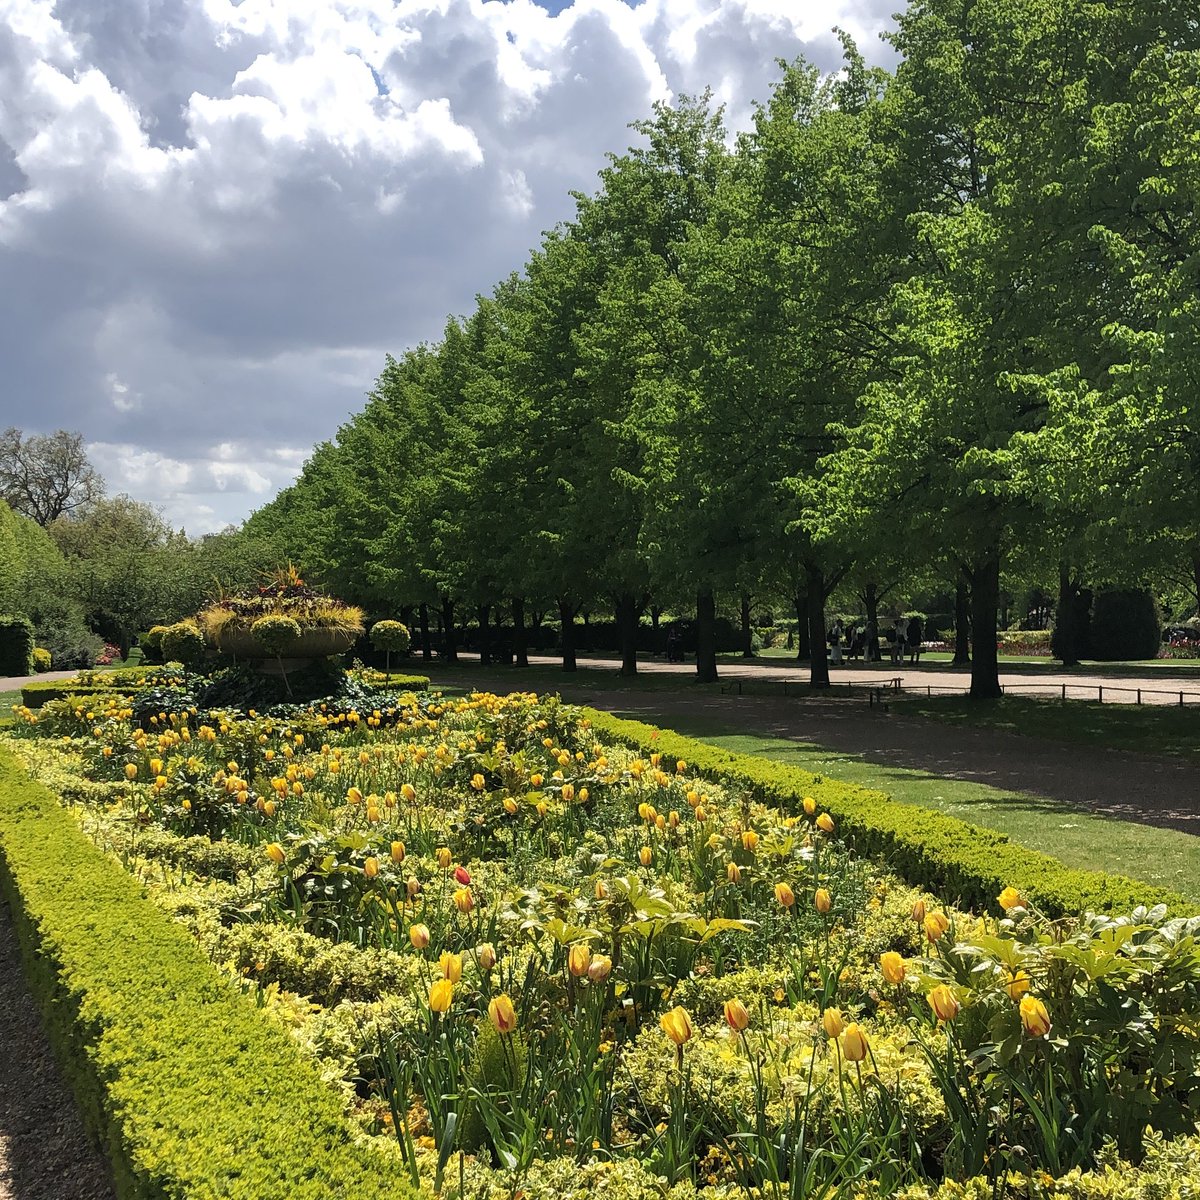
<point x="216" y="218"/>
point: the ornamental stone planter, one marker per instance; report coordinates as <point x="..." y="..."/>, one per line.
<point x="312" y="643"/>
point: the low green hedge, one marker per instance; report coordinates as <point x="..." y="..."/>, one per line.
<point x="946" y="855"/>
<point x="34" y="695"/>
<point x="188" y="1089"/>
<point x="401" y="683"/>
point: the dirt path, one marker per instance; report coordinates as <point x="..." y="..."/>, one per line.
<point x="44" y="1151"/>
<point x="1154" y="790"/>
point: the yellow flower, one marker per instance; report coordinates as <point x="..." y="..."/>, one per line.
<point x="450" y="966"/>
<point x="568" y="792"/>
<point x="440" y="995"/>
<point x="510" y="806"/>
<point x="1009" y="899"/>
<point x="737" y="1016"/>
<point x="785" y="895"/>
<point x="1018" y="985"/>
<point x="397" y="852"/>
<point x="733" y="872"/>
<point x="412" y="886"/>
<point x="600" y="968"/>
<point x="354" y="796"/>
<point x="579" y="959"/>
<point x="944" y="1003"/>
<point x="822" y="901"/>
<point x="463" y="900"/>
<point x="832" y="1022"/>
<point x="825" y="823"/>
<point x="370" y="866"/>
<point x="645" y="856"/>
<point x="408" y="792"/>
<point x="936" y="924"/>
<point x="536" y="780"/>
<point x="918" y="912"/>
<point x="419" y="936"/>
<point x="1034" y="1017"/>
<point x="502" y="1014"/>
<point x="444" y="858"/>
<point x="601" y="890"/>
<point x="677" y="1025"/>
<point x="854" y="1044"/>
<point x="892" y="966"/>
<point x="275" y="853"/>
<point x="131" y="770"/>
<point x="478" y="782"/>
<point x="810" y="806"/>
<point x="485" y="952"/>
<point x="749" y="840"/>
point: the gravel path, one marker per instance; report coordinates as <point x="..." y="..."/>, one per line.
<point x="44" y="1152"/>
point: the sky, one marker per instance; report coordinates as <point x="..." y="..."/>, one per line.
<point x="218" y="216"/>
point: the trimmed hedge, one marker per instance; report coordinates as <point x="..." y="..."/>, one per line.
<point x="946" y="855"/>
<point x="188" y="1089"/>
<point x="16" y="646"/>
<point x="34" y="695"/>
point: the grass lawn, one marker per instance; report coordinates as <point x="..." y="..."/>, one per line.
<point x="1150" y="729"/>
<point x="1160" y="856"/>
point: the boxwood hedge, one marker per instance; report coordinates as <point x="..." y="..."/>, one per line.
<point x="188" y="1089"/>
<point x="946" y="855"/>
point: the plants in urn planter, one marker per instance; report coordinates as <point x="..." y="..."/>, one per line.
<point x="277" y="634"/>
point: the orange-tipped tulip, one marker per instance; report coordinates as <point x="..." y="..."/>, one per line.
<point x="450" y="966"/>
<point x="737" y="1016"/>
<point x="1034" y="1017"/>
<point x="944" y="1003"/>
<point x="419" y="936"/>
<point x="785" y="895"/>
<point x="502" y="1014"/>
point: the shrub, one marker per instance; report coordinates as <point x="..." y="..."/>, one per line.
<point x="151" y="643"/>
<point x="1125" y="625"/>
<point x="183" y="643"/>
<point x="275" y="633"/>
<point x="16" y="645"/>
<point x="41" y="659"/>
<point x="392" y="638"/>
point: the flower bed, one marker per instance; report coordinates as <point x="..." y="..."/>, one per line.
<point x="533" y="960"/>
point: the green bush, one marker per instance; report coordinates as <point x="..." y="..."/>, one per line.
<point x="16" y="645"/>
<point x="151" y="643"/>
<point x="183" y="643"/>
<point x="954" y="859"/>
<point x="275" y="633"/>
<point x="1126" y="625"/>
<point x="186" y="1086"/>
<point x="41" y="659"/>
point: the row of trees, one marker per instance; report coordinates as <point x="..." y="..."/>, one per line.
<point x="940" y="321"/>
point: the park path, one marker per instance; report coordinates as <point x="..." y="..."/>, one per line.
<point x="1160" y="790"/>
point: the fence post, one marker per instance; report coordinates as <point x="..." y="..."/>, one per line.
<point x="1100" y="689"/>
<point x="1064" y="695"/>
<point x="1139" y="695"/>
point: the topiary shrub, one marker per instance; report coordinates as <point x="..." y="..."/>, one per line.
<point x="151" y="643"/>
<point x="276" y="633"/>
<point x="390" y="637"/>
<point x="1125" y="625"/>
<point x="183" y="643"/>
<point x="16" y="646"/>
<point x="41" y="659"/>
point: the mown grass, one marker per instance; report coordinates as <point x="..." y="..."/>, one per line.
<point x="1163" y="857"/>
<point x="1149" y="729"/>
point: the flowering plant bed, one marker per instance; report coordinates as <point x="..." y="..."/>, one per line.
<point x="531" y="960"/>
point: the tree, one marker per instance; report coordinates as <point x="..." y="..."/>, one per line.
<point x="48" y="476"/>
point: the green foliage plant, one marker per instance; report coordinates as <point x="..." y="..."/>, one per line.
<point x="41" y="659"/>
<point x="1126" y="625"/>
<point x="16" y="645"/>
<point x="390" y="636"/>
<point x="183" y="643"/>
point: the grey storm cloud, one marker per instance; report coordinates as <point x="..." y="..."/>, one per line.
<point x="217" y="217"/>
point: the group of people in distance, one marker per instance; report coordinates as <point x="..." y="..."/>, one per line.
<point x="905" y="637"/>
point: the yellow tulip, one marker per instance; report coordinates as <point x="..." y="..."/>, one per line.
<point x="1034" y="1017"/>
<point x="822" y="901"/>
<point x="485" y="952"/>
<point x="892" y="966"/>
<point x="579" y="959"/>
<point x="419" y="936"/>
<point x="444" y="858"/>
<point x="854" y="1044"/>
<point x="645" y="856"/>
<point x="275" y="853"/>
<point x="478" y="782"/>
<point x="463" y="900"/>
<point x="737" y="1016"/>
<point x="412" y="887"/>
<point x="536" y="780"/>
<point x="131" y="771"/>
<point x="502" y="1014"/>
<point x="918" y="912"/>
<point x="397" y="852"/>
<point x="832" y="1022"/>
<point x="370" y="866"/>
<point x="677" y="1025"/>
<point x="568" y="792"/>
<point x="408" y="792"/>
<point x="680" y="767"/>
<point x="354" y="796"/>
<point x="450" y="966"/>
<point x="825" y="823"/>
<point x="810" y="806"/>
<point x="733" y="872"/>
<point x="785" y="895"/>
<point x="1009" y="899"/>
<point x="936" y="924"/>
<point x="944" y="1003"/>
<point x="749" y="840"/>
<point x="1018" y="985"/>
<point x="601" y="890"/>
<point x="510" y="806"/>
<point x="440" y="995"/>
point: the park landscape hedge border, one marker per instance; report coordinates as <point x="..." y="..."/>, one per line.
<point x="951" y="858"/>
<point x="188" y="1089"/>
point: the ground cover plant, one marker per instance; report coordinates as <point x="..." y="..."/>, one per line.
<point x="533" y="960"/>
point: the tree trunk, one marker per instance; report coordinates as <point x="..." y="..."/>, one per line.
<point x="1066" y="618"/>
<point x="818" y="656"/>
<point x="520" y="641"/>
<point x="655" y="613"/>
<point x="747" y="631"/>
<point x="406" y="615"/>
<point x="1196" y="574"/>
<point x="449" y="645"/>
<point x="628" y="613"/>
<point x="800" y="604"/>
<point x="566" y="615"/>
<point x="871" y="637"/>
<point x="706" y="637"/>
<point x="962" y="623"/>
<point x="485" y="635"/>
<point x="985" y="599"/>
<point x="426" y="645"/>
